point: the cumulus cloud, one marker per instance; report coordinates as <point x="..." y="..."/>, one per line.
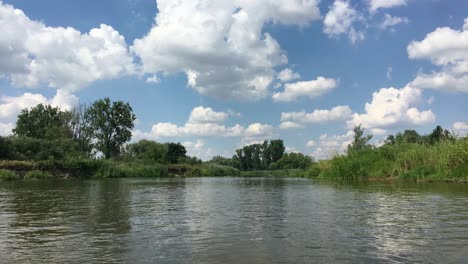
<point x="392" y="108"/>
<point x="461" y="128"/>
<point x="311" y="143"/>
<point x="374" y="5"/>
<point x="205" y="122"/>
<point x="391" y="21"/>
<point x="203" y="115"/>
<point x="338" y="113"/>
<point x="153" y="79"/>
<point x="11" y="106"/>
<point x="448" y="49"/>
<point x="33" y="54"/>
<point x="311" y="89"/>
<point x="6" y="129"/>
<point x="328" y="146"/>
<point x="340" y="19"/>
<point x="221" y="45"/>
<point x="199" y="149"/>
<point x="287" y="75"/>
<point x="289" y="125"/>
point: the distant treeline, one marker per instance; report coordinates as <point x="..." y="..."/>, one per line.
<point x="93" y="141"/>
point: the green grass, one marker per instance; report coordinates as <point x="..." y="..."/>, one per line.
<point x="446" y="160"/>
<point x="37" y="175"/>
<point x="8" y="175"/>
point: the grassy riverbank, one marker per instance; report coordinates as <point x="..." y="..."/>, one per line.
<point x="444" y="161"/>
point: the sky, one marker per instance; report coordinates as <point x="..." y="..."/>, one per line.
<point x="216" y="75"/>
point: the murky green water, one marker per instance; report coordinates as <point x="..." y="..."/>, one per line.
<point x="231" y="220"/>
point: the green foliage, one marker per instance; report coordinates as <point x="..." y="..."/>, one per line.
<point x="258" y="156"/>
<point x="211" y="169"/>
<point x="37" y="175"/>
<point x="110" y="124"/>
<point x="189" y="160"/>
<point x="8" y="175"/>
<point x="43" y="122"/>
<point x="221" y="161"/>
<point x="128" y="170"/>
<point x="26" y="148"/>
<point x="174" y="152"/>
<point x="360" y="141"/>
<point x="292" y="161"/>
<point x="447" y="159"/>
<point x="148" y="150"/>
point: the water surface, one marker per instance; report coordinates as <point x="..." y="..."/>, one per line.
<point x="231" y="220"/>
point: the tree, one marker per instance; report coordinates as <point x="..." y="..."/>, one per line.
<point x="439" y="134"/>
<point x="175" y="151"/>
<point x="80" y="127"/>
<point x="276" y="149"/>
<point x="292" y="161"/>
<point x="44" y="122"/>
<point x="408" y="136"/>
<point x="110" y="125"/>
<point x="360" y="141"/>
<point x="148" y="150"/>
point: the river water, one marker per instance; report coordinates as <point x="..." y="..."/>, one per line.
<point x="231" y="220"/>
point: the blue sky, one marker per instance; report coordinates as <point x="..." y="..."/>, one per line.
<point x="216" y="75"/>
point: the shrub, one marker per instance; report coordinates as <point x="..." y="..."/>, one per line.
<point x="37" y="175"/>
<point x="8" y="175"/>
<point x="211" y="169"/>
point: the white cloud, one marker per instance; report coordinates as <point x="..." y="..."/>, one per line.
<point x="311" y="144"/>
<point x="328" y="146"/>
<point x="339" y="20"/>
<point x="202" y="115"/>
<point x="287" y="75"/>
<point x="389" y="73"/>
<point x="374" y="5"/>
<point x="311" y="89"/>
<point x="461" y="128"/>
<point x="258" y="130"/>
<point x="391" y="21"/>
<point x="289" y="125"/>
<point x="341" y="112"/>
<point x="199" y="150"/>
<point x="153" y="79"/>
<point x="33" y="54"/>
<point x="6" y="129"/>
<point x="392" y="108"/>
<point x="11" y="106"/>
<point x="205" y="122"/>
<point x="442" y="81"/>
<point x="447" y="48"/>
<point x="221" y="45"/>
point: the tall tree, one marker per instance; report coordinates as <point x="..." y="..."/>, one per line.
<point x="44" y="122"/>
<point x="82" y="133"/>
<point x="360" y="141"/>
<point x="148" y="150"/>
<point x="276" y="149"/>
<point x="439" y="134"/>
<point x="175" y="151"/>
<point x="110" y="124"/>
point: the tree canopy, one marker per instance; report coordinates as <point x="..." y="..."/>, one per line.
<point x="110" y="125"/>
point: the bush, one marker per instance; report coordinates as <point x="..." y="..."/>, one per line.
<point x="115" y="170"/>
<point x="38" y="175"/>
<point x="8" y="175"/>
<point x="211" y="169"/>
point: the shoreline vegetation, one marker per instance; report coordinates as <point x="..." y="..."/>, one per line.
<point x="92" y="142"/>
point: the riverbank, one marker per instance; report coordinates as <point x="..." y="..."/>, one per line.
<point x="100" y="168"/>
<point x="445" y="161"/>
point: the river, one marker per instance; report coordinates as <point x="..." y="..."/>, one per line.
<point x="232" y="220"/>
